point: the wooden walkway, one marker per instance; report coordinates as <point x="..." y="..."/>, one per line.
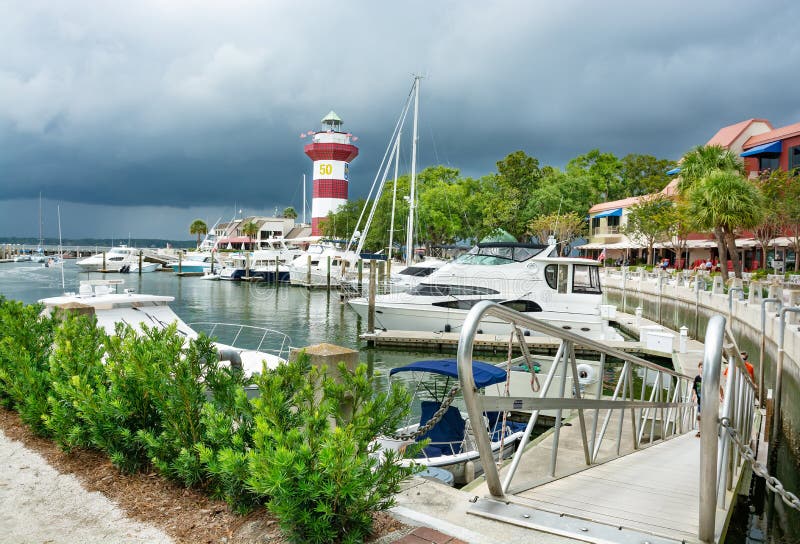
<point x="654" y="490"/>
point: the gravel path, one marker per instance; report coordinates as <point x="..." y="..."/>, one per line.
<point x="40" y="505"/>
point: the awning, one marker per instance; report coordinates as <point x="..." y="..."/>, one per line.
<point x="772" y="147"/>
<point x="610" y="213"/>
<point x="674" y="171"/>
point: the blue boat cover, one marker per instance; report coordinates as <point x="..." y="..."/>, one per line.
<point x="772" y="147"/>
<point x="610" y="213"/>
<point x="484" y="373"/>
<point x="447" y="435"/>
<point x="674" y="171"/>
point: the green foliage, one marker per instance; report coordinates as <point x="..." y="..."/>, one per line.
<point x="178" y="394"/>
<point x="324" y="481"/>
<point x="645" y="174"/>
<point x="564" y="227"/>
<point x="289" y="213"/>
<point x="199" y="228"/>
<point x="702" y="160"/>
<point x="650" y="220"/>
<point x="24" y="351"/>
<point x="76" y="371"/>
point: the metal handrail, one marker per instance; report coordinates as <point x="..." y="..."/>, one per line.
<point x="281" y="351"/>
<point x="674" y="411"/>
<point x="720" y="457"/>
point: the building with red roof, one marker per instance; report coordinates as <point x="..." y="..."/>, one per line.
<point x="761" y="146"/>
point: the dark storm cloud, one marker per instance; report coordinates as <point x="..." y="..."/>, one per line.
<point x="199" y="105"/>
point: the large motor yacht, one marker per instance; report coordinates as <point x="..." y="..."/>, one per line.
<point x="115" y="259"/>
<point x="529" y="278"/>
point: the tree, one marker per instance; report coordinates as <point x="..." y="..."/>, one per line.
<point x="199" y="228"/>
<point x="790" y="208"/>
<point x="563" y="227"/>
<point x="649" y="221"/>
<point x="560" y="193"/>
<point x="603" y="171"/>
<point x="680" y="225"/>
<point x="644" y="174"/>
<point x="290" y="213"/>
<point x="699" y="163"/>
<point x="773" y="186"/>
<point x="250" y="229"/>
<point x="508" y="191"/>
<point x="725" y="201"/>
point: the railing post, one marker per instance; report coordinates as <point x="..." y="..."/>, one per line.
<point x="762" y="397"/>
<point x="776" y="412"/>
<point x="709" y="445"/>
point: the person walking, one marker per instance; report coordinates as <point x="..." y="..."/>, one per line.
<point x="696" y="388"/>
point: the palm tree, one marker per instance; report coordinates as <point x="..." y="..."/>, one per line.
<point x="700" y="161"/>
<point x="725" y="201"/>
<point x="199" y="228"/>
<point x="250" y="229"/>
<point x="698" y="164"/>
<point x="290" y="213"/>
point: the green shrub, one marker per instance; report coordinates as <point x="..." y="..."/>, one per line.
<point x="324" y="481"/>
<point x="24" y="369"/>
<point x="76" y="373"/>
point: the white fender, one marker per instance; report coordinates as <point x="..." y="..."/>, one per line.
<point x="586" y="374"/>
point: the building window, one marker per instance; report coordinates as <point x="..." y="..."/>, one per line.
<point x="794" y="157"/>
<point x="768" y="163"/>
<point x="613" y="221"/>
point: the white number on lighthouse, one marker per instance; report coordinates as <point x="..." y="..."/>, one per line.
<point x="325" y="169"/>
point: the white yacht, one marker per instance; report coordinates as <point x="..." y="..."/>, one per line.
<point x="529" y="278"/>
<point x="102" y="299"/>
<point x="261" y="262"/>
<point x="318" y="254"/>
<point x="115" y="259"/>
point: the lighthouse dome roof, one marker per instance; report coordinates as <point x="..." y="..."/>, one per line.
<point x="332" y="119"/>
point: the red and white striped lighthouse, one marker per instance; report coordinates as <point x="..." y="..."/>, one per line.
<point x="331" y="150"/>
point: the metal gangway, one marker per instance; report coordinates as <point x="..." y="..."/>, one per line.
<point x="628" y="467"/>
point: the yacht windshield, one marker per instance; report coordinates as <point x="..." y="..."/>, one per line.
<point x="497" y="254"/>
<point x="417" y="271"/>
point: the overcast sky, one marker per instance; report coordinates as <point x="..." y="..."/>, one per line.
<point x="141" y="116"/>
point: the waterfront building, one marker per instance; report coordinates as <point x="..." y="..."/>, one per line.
<point x="761" y="147"/>
<point x="332" y="152"/>
<point x="233" y="234"/>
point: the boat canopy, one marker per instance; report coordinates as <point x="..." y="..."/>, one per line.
<point x="484" y="373"/>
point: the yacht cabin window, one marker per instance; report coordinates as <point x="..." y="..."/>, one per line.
<point x="557" y="276"/>
<point x="417" y="271"/>
<point x="586" y="279"/>
<point x="433" y="290"/>
<point x="499" y="254"/>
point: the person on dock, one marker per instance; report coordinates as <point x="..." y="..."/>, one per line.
<point x="696" y="387"/>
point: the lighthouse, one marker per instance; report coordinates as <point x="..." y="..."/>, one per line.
<point x="332" y="151"/>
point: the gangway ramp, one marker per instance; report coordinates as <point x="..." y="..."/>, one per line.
<point x="652" y="492"/>
<point x="627" y="466"/>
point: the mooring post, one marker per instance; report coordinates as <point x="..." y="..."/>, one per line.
<point x="140" y="262"/>
<point x="212" y="261"/>
<point x="381" y="273"/>
<point x="360" y="274"/>
<point x="277" y="271"/>
<point x="328" y="278"/>
<point x="247" y="265"/>
<point x="308" y="272"/>
<point x="371" y="300"/>
<point x="104" y="261"/>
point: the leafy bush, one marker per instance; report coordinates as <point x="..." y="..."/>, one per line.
<point x="24" y="369"/>
<point x="324" y="481"/>
<point x="76" y="373"/>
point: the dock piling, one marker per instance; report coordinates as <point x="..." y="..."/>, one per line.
<point x="308" y="272"/>
<point x="140" y="262"/>
<point x="180" y="262"/>
<point x="371" y="302"/>
<point x="328" y="277"/>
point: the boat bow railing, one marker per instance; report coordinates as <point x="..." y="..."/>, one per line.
<point x="247" y="337"/>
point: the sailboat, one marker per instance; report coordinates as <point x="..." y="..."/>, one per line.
<point x="39" y="256"/>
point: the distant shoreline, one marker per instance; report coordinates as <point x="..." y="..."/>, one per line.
<point x="28" y="241"/>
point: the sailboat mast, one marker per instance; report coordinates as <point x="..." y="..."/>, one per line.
<point x="412" y="197"/>
<point x="60" y="251"/>
<point x="394" y="192"/>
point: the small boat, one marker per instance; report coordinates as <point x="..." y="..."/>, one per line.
<point x="134" y="268"/>
<point x="23" y="258"/>
<point x="210" y="276"/>
<point x="452" y="444"/>
<point x="115" y="259"/>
